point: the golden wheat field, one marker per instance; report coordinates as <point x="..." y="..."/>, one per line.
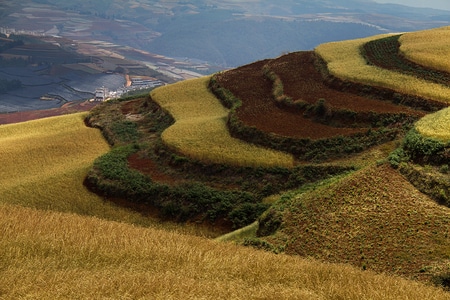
<point x="436" y="125"/>
<point x="428" y="47"/>
<point x="345" y="61"/>
<point x="200" y="130"/>
<point x="51" y="255"/>
<point x="43" y="164"/>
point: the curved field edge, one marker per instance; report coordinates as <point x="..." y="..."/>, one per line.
<point x="59" y="256"/>
<point x="44" y="163"/>
<point x="200" y="130"/>
<point x="425" y="152"/>
<point x="344" y="61"/>
<point x="386" y="53"/>
<point x="424" y="157"/>
<point x="427" y="47"/>
<point x="148" y="175"/>
<point x="435" y="125"/>
<point x="337" y="144"/>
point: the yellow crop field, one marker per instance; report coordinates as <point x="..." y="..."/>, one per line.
<point x="345" y="61"/>
<point x="200" y="130"/>
<point x="43" y="164"/>
<point x="51" y="255"/>
<point x="436" y="125"/>
<point x="428" y="47"/>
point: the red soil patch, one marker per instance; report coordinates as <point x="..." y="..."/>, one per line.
<point x="130" y="107"/>
<point x="23" y="116"/>
<point x="301" y="80"/>
<point x="141" y="162"/>
<point x="148" y="167"/>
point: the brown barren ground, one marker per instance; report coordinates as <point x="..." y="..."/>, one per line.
<point x="23" y="116"/>
<point x="301" y="80"/>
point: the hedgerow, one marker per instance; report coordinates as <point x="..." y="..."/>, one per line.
<point x="305" y="148"/>
<point x="239" y="199"/>
<point x="424" y="161"/>
<point x="425" y="149"/>
<point x="112" y="177"/>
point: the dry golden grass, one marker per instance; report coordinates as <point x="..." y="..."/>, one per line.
<point x="428" y="47"/>
<point x="200" y="130"/>
<point x="345" y="61"/>
<point x="43" y="164"/>
<point x="50" y="255"/>
<point x="436" y="125"/>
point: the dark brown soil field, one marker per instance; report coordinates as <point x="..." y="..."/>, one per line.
<point x="301" y="80"/>
<point x="23" y="116"/>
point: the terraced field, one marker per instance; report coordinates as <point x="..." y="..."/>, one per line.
<point x="302" y="81"/>
<point x="344" y="61"/>
<point x="200" y="130"/>
<point x="280" y="104"/>
<point x="339" y="115"/>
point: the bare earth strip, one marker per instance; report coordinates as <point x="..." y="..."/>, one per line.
<point x="301" y="80"/>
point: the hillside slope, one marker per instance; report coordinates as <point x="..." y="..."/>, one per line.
<point x="374" y="219"/>
<point x="59" y="256"/>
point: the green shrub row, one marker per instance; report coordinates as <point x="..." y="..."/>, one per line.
<point x="278" y="90"/>
<point x="260" y="181"/>
<point x="379" y="93"/>
<point x="303" y="148"/>
<point x="208" y="192"/>
<point x="112" y="177"/>
<point x="425" y="149"/>
<point x="425" y="162"/>
<point x="422" y="150"/>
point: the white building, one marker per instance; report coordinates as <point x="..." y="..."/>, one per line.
<point x="100" y="94"/>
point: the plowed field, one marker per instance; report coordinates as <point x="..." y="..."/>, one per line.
<point x="301" y="80"/>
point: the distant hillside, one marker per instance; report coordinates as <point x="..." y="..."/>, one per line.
<point x="227" y="33"/>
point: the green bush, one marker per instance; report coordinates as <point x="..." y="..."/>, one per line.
<point x="246" y="213"/>
<point x="397" y="156"/>
<point x="263" y="245"/>
<point x="269" y="222"/>
<point x="421" y="147"/>
<point x="125" y="131"/>
<point x="442" y="280"/>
